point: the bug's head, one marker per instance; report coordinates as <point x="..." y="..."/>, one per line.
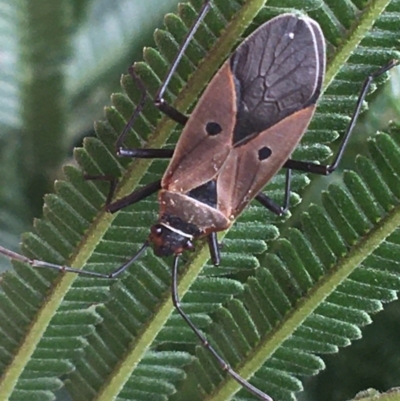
<point x="169" y="242"/>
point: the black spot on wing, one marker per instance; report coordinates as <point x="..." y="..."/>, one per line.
<point x="277" y="71"/>
<point x="213" y="128"/>
<point x="264" y="153"/>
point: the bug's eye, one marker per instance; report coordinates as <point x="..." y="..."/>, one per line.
<point x="213" y="128"/>
<point x="189" y="245"/>
<point x="157" y="230"/>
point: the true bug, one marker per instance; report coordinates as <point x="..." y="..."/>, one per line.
<point x="242" y="131"/>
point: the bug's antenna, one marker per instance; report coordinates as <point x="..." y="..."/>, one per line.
<point x="224" y="365"/>
<point x="13" y="255"/>
<point x="122" y="268"/>
<point x="67" y="269"/>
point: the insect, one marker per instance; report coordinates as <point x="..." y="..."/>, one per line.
<point x="242" y="131"/>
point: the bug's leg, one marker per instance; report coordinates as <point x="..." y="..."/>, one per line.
<point x="66" y="269"/>
<point x="273" y="206"/>
<point x="143" y="153"/>
<point x="204" y="341"/>
<point x="159" y="100"/>
<point x="127" y="200"/>
<point x="328" y="169"/>
<point x="147" y="153"/>
<point x="214" y="247"/>
<point x="161" y="104"/>
<point x="138" y="153"/>
<point x="110" y="179"/>
<point x="134" y="197"/>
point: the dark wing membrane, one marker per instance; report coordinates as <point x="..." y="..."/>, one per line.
<point x="278" y="70"/>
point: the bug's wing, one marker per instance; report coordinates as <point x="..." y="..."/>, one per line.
<point x="263" y="98"/>
<point x="278" y="74"/>
<point x="249" y="167"/>
<point x="199" y="156"/>
<point x="278" y="70"/>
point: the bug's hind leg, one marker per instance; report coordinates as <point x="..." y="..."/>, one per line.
<point x="272" y="205"/>
<point x="319" y="168"/>
<point x="330" y="168"/>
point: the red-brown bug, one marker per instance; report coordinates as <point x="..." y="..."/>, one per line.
<point x="242" y="131"/>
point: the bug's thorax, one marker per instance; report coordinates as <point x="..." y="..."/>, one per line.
<point x="184" y="218"/>
<point x="168" y="240"/>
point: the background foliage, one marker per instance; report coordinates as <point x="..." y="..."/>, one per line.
<point x="61" y="60"/>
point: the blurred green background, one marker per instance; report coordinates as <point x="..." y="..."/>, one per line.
<point x="59" y="63"/>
